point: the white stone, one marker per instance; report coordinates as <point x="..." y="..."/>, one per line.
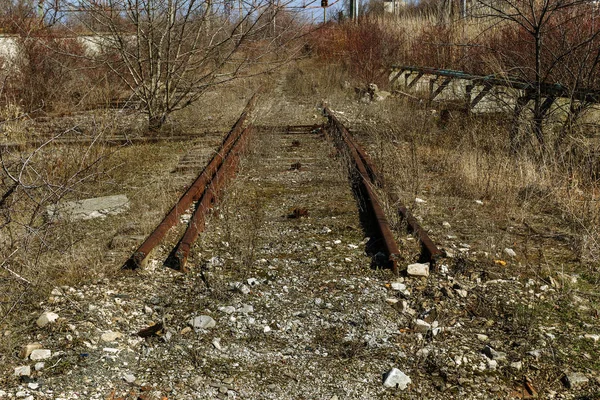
<point x="40" y="354"/>
<point x="267" y="329"/>
<point x="245" y="309"/>
<point x="216" y="262"/>
<point x="217" y="343"/>
<point x="396" y="379"/>
<point x="392" y="300"/>
<point x="39" y="366"/>
<point x="595" y="338"/>
<point x="479" y="202"/>
<point x="482" y="338"/>
<point x="24" y="370"/>
<point x="202" y="322"/>
<point x="422" y="326"/>
<point x="110" y="350"/>
<point x="129" y="378"/>
<point x="510" y="252"/>
<point x="573" y="380"/>
<point x="252" y="281"/>
<point x="33" y="385"/>
<point x="518" y="365"/>
<point x="227" y="309"/>
<point x="110" y="336"/>
<point x="46" y="318"/>
<point x="446" y="224"/>
<point x="418" y="269"/>
<point x="401" y="287"/>
<point x="419" y="200"/>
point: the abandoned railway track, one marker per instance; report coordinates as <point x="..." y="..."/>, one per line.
<point x="210" y="183"/>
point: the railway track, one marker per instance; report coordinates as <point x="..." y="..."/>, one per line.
<point x="204" y="192"/>
<point x="366" y="179"/>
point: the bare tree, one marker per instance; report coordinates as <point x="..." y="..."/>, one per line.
<point x="529" y="54"/>
<point x="169" y="52"/>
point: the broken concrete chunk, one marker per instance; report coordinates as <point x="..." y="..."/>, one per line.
<point x="202" y="322"/>
<point x="24" y="370"/>
<point x="422" y="326"/>
<point x="573" y="380"/>
<point x="418" y="269"/>
<point x="46" y="318"/>
<point x="98" y="207"/>
<point x="396" y="379"/>
<point x="40" y="354"/>
<point x="110" y="336"/>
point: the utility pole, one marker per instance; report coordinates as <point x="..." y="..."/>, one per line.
<point x="324" y="4"/>
<point x="354" y="10"/>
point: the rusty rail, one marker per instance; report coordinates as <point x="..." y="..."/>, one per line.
<point x="193" y="193"/>
<point x="341" y="133"/>
<point x="429" y="251"/>
<point x="178" y="258"/>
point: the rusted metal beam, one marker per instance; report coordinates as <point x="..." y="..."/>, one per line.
<point x="439" y="89"/>
<point x="429" y="251"/>
<point x="395" y="78"/>
<point x="178" y="259"/>
<point x="486" y="89"/>
<point x="192" y="194"/>
<point x="414" y="81"/>
<point x="383" y="225"/>
<point x="589" y="95"/>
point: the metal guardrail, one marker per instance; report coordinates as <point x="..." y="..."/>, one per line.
<point x="547" y="90"/>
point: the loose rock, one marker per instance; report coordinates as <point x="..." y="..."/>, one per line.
<point x="574" y="380"/>
<point x="202" y="322"/>
<point x="40" y="354"/>
<point x="418" y="269"/>
<point x="27" y="349"/>
<point x="396" y="379"/>
<point x="24" y="370"/>
<point x="110" y="336"/>
<point x="46" y="318"/>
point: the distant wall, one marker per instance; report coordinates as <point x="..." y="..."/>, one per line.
<point x="9" y="47"/>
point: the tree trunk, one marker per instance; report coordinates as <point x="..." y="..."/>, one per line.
<point x="156" y="122"/>
<point x="538" y="117"/>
